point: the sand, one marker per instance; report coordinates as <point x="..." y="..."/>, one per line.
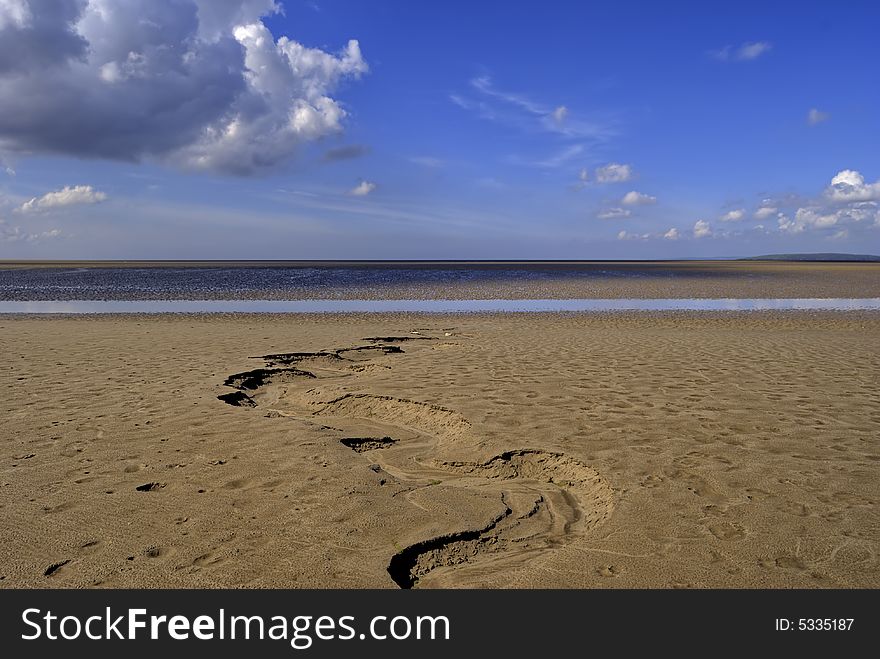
<point x="547" y="450"/>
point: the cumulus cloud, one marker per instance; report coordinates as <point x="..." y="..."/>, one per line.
<point x="733" y="216"/>
<point x="821" y="217"/>
<point x="201" y="83"/>
<point x="744" y="52"/>
<point x="787" y="225"/>
<point x="764" y="212"/>
<point x="362" y="189"/>
<point x="634" y="198"/>
<point x="815" y="116"/>
<point x="849" y="186"/>
<point x="614" y="173"/>
<point x="848" y="204"/>
<point x="584" y="175"/>
<point x="614" y="213"/>
<point x="672" y="234"/>
<point x="66" y="196"/>
<point x="702" y="229"/>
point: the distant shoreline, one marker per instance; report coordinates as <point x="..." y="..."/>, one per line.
<point x="416" y="263"/>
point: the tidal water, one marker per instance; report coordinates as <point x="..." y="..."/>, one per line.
<point x="434" y="306"/>
<point x="312" y="280"/>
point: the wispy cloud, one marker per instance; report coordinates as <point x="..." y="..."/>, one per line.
<point x="614" y="214"/>
<point x="815" y="116"/>
<point x="13" y="234"/>
<point x="521" y="111"/>
<point x="560" y="114"/>
<point x="559" y="158"/>
<point x="751" y="50"/>
<point x="427" y="161"/>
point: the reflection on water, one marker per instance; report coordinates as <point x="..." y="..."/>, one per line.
<point x="433" y="306"/>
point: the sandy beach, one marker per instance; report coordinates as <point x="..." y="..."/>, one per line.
<point x="523" y="450"/>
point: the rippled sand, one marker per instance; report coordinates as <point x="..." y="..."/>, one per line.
<point x="546" y="450"/>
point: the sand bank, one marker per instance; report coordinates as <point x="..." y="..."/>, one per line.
<point x="549" y="450"/>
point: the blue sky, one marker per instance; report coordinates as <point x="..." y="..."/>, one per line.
<point x="188" y="129"/>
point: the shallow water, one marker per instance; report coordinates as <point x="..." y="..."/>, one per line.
<point x="311" y="281"/>
<point x="434" y="306"/>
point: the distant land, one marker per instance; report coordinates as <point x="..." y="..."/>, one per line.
<point x="829" y="256"/>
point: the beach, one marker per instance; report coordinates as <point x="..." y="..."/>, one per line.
<point x="581" y="450"/>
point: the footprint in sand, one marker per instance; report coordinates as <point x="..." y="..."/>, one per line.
<point x="547" y="499"/>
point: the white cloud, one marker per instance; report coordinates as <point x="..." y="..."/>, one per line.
<point x="584" y="175"/>
<point x="560" y="114"/>
<point x="362" y="189"/>
<point x="614" y="173"/>
<point x="744" y="52"/>
<point x="764" y="212"/>
<point x="672" y="234"/>
<point x="14" y="12"/>
<point x="626" y="235"/>
<point x="733" y="216"/>
<point x="752" y="50"/>
<point x="787" y="225"/>
<point x="522" y="112"/>
<point x="702" y="229"/>
<point x="846" y="204"/>
<point x="201" y="83"/>
<point x="558" y="159"/>
<point x="634" y="198"/>
<point x="614" y="213"/>
<point x="66" y="196"/>
<point x="17" y="234"/>
<point x="815" y="218"/>
<point x="849" y="186"/>
<point x="815" y="116"/>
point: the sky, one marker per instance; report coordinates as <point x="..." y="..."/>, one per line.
<point x="325" y="129"/>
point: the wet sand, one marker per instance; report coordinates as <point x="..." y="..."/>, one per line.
<point x="544" y="450"/>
